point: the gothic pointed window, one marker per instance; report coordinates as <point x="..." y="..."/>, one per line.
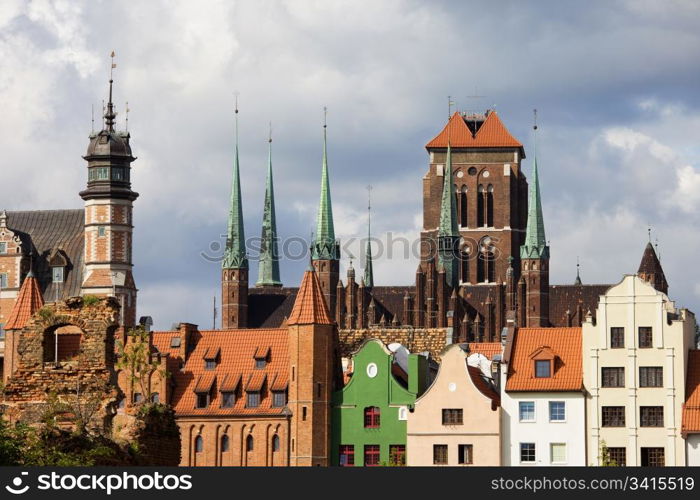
<point x="463" y="208"/>
<point x="489" y="206"/>
<point x="198" y="444"/>
<point x="464" y="265"/>
<point x="225" y="443"/>
<point x="249" y="443"/>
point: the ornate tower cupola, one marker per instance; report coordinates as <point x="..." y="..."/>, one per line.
<point x="534" y="256"/>
<point x="234" y="267"/>
<point x="268" y="264"/>
<point x="108" y="215"/>
<point x="448" y="232"/>
<point x="325" y="249"/>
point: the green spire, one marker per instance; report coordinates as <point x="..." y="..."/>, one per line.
<point x="448" y="233"/>
<point x="369" y="271"/>
<point x="235" y="254"/>
<point x="535" y="246"/>
<point x="325" y="247"/>
<point x="268" y="265"/>
<point x="448" y="208"/>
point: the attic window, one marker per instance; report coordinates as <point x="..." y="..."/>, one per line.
<point x="260" y="355"/>
<point x="175" y="342"/>
<point x="260" y="363"/>
<point x="543" y="368"/>
<point x="57" y="274"/>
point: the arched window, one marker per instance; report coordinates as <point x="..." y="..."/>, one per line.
<point x="464" y="265"/>
<point x="275" y="443"/>
<point x="490" y="266"/>
<point x="463" y="208"/>
<point x="480" y="222"/>
<point x="371" y="417"/>
<point x="155" y="398"/>
<point x="489" y="206"/>
<point x="198" y="444"/>
<point x="486" y="262"/>
<point x="480" y="267"/>
<point x="249" y="443"/>
<point x="224" y="443"/>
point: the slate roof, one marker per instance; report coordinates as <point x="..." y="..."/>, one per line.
<point x="691" y="407"/>
<point x="236" y="367"/>
<point x="563" y="297"/>
<point x="491" y="133"/>
<point x="46" y="230"/>
<point x="268" y="308"/>
<point x="564" y="343"/>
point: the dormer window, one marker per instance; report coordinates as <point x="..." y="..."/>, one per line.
<point x="57" y="274"/>
<point x="543" y="368"/>
<point x="211" y="357"/>
<point x="261" y="355"/>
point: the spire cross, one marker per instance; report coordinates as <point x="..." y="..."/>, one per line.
<point x="235" y="111"/>
<point x="649" y="232"/>
<point x="110" y="115"/>
<point x="92" y="113"/>
<point x="126" y="116"/>
<point x="325" y="114"/>
<point x="450" y="103"/>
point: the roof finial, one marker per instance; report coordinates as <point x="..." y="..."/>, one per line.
<point x="126" y="117"/>
<point x="92" y="113"/>
<point x="269" y="136"/>
<point x="578" y="274"/>
<point x="649" y="232"/>
<point x="450" y="103"/>
<point x="31" y="262"/>
<point x="110" y="114"/>
<point x="369" y="268"/>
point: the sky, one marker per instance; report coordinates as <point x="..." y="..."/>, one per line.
<point x="615" y="84"/>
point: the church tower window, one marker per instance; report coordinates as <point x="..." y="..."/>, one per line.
<point x="480" y="207"/>
<point x="463" y="208"/>
<point x="489" y="206"/>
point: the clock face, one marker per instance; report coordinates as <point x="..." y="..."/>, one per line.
<point x="372" y="370"/>
<point x="460" y="174"/>
<point x="486" y="174"/>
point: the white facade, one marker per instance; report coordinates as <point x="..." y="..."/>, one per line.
<point x="624" y="312"/>
<point x="556" y="441"/>
<point x="692" y="444"/>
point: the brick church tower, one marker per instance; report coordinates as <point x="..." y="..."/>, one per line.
<point x="108" y="217"/>
<point x="534" y="257"/>
<point x="490" y="195"/>
<point x="325" y="249"/>
<point x="312" y="343"/>
<point x="234" y="268"/>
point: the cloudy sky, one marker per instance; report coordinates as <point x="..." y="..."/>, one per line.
<point x="615" y="84"/>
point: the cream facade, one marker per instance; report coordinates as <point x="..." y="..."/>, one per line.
<point x="634" y="364"/>
<point x="456" y="422"/>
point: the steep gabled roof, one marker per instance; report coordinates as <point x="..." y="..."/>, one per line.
<point x="28" y="302"/>
<point x="563" y="343"/>
<point x="691" y="407"/>
<point x="310" y="307"/>
<point x="491" y="134"/>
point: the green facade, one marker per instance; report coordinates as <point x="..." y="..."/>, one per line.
<point x="382" y="391"/>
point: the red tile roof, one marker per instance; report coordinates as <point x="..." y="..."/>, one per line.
<point x="236" y="363"/>
<point x="29" y="301"/>
<point x="488" y="349"/>
<point x="491" y="134"/>
<point x="564" y="344"/>
<point x="691" y="407"/>
<point x="310" y="307"/>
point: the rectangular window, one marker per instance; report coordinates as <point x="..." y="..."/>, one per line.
<point x="202" y="400"/>
<point x="253" y="400"/>
<point x="57" y="274"/>
<point x="527" y="452"/>
<point x="347" y="455"/>
<point x="644" y="337"/>
<point x="452" y="416"/>
<point x="651" y="376"/>
<point x="138" y="397"/>
<point x="466" y="454"/>
<point x="527" y="411"/>
<point x="3" y="280"/>
<point x="651" y="416"/>
<point x="397" y="454"/>
<point x="260" y="363"/>
<point x="543" y="368"/>
<point x="618" y="456"/>
<point x="613" y="416"/>
<point x="439" y="454"/>
<point x="557" y="453"/>
<point x="2" y="331"/>
<point x="209" y="364"/>
<point x="279" y="398"/>
<point x="653" y="457"/>
<point x="617" y="337"/>
<point x="557" y="411"/>
<point x="613" y="376"/>
<point x="3" y="247"/>
<point x="371" y="455"/>
<point x="228" y="399"/>
<point x="101" y="231"/>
